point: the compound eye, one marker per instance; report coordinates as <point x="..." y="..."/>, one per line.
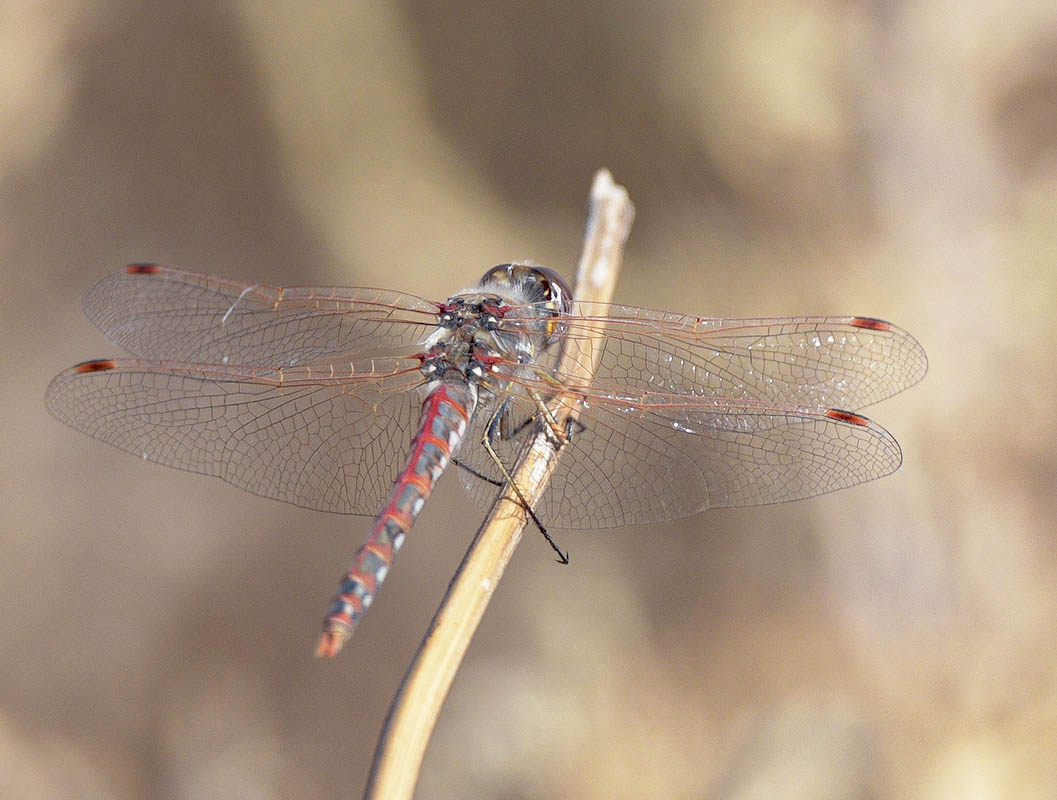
<point x="538" y="285"/>
<point x="557" y="298"/>
<point x="499" y="274"/>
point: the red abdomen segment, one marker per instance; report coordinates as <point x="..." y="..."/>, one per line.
<point x="445" y="415"/>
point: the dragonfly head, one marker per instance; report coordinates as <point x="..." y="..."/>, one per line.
<point x="541" y="293"/>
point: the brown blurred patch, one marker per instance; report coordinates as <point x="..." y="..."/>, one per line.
<point x="894" y="161"/>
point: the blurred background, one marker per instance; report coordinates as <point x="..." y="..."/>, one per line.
<point x="899" y="160"/>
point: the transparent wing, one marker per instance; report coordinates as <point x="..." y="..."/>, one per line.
<point x="157" y="312"/>
<point x="686" y="413"/>
<point x="811" y="362"/>
<point x="669" y="456"/>
<point x="325" y="440"/>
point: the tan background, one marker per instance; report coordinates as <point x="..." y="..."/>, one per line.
<point x="890" y="159"/>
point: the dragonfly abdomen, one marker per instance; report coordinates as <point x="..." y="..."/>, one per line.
<point x="445" y="416"/>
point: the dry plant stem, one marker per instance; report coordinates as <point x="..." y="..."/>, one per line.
<point x="407" y="729"/>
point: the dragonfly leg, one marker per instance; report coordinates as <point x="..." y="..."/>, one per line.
<point x="560" y="437"/>
<point x="490" y="436"/>
<point x="476" y="473"/>
<point x="517" y="431"/>
<point x="573" y="428"/>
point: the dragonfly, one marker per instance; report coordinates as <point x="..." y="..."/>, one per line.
<point x="355" y="400"/>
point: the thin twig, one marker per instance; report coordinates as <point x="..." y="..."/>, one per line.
<point x="414" y="711"/>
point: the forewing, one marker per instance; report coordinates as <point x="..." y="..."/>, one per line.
<point x="668" y="456"/>
<point x="810" y="362"/>
<point x="162" y="313"/>
<point x="328" y="442"/>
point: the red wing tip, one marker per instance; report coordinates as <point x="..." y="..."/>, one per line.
<point x="871" y="323"/>
<point x="848" y="416"/>
<point x="99" y="365"/>
<point x="142" y="269"/>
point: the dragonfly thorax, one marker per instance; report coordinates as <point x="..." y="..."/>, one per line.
<point x="509" y="319"/>
<point x="454" y="360"/>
